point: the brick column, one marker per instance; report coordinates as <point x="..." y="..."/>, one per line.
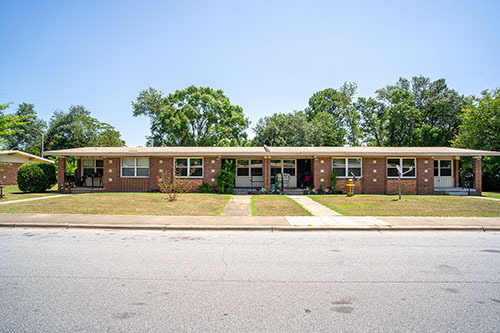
<point x="267" y="172"/>
<point x="456" y="172"/>
<point x="212" y="166"/>
<point x="425" y="175"/>
<point x="478" y="179"/>
<point x="322" y="172"/>
<point x="61" y="173"/>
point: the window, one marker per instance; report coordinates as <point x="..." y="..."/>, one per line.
<point x="92" y="168"/>
<point x="346" y="167"/>
<point x="275" y="167"/>
<point x="245" y="168"/>
<point x="283" y="166"/>
<point x="405" y="163"/>
<point x="443" y="168"/>
<point x="256" y="168"/>
<point x="135" y="167"/>
<point x="242" y="168"/>
<point x="189" y="167"/>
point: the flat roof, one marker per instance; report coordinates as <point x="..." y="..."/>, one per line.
<point x="269" y="151"/>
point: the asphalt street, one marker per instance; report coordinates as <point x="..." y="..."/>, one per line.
<point x="118" y="281"/>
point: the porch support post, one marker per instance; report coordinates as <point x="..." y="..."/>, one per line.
<point x="456" y="172"/>
<point x="267" y="172"/>
<point x="61" y="173"/>
<point x="477" y="170"/>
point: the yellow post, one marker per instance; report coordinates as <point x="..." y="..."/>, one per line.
<point x="351" y="188"/>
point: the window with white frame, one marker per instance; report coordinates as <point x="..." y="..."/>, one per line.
<point x="443" y="168"/>
<point x="189" y="167"/>
<point x="246" y="168"/>
<point x="346" y="167"/>
<point x="92" y="167"/>
<point x="135" y="167"/>
<point x="405" y="163"/>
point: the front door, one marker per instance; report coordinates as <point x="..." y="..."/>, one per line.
<point x="443" y="173"/>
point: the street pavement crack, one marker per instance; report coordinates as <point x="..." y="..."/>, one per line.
<point x="223" y="258"/>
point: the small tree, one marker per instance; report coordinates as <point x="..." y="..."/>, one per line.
<point x="226" y="177"/>
<point x="172" y="184"/>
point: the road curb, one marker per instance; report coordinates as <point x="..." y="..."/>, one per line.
<point x="247" y="228"/>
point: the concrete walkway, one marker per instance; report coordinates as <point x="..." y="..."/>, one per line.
<point x="239" y="205"/>
<point x="316" y="209"/>
<point x="33" y="199"/>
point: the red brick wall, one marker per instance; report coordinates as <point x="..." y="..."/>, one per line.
<point x="374" y="171"/>
<point x="61" y="172"/>
<point x="9" y="174"/>
<point x="157" y="167"/>
<point x="425" y="176"/>
<point x="322" y="172"/>
<point x="408" y="186"/>
<point x="267" y="173"/>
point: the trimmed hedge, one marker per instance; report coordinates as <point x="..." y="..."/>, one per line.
<point x="36" y="176"/>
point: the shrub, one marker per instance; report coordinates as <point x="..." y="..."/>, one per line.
<point x="207" y="188"/>
<point x="36" y="176"/>
<point x="333" y="181"/>
<point x="172" y="184"/>
<point x="226" y="177"/>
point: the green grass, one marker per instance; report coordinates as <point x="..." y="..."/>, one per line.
<point x="495" y="195"/>
<point x="191" y="204"/>
<point x="410" y="205"/>
<point x="12" y="192"/>
<point x="276" y="205"/>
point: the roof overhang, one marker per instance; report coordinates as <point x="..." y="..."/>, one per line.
<point x="304" y="152"/>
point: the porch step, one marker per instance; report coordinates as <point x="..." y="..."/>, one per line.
<point x="460" y="191"/>
<point x="77" y="190"/>
<point x="294" y="191"/>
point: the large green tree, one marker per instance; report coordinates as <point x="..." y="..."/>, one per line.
<point x="195" y="116"/>
<point x="480" y="129"/>
<point x="294" y="129"/>
<point x="77" y="128"/>
<point x="339" y="103"/>
<point x="416" y="112"/>
<point x="8" y="124"/>
<point x="27" y="137"/>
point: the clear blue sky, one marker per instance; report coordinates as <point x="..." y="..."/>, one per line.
<point x="267" y="56"/>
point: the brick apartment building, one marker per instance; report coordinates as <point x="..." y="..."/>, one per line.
<point x="428" y="170"/>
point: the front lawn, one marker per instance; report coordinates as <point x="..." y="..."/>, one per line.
<point x="12" y="192"/>
<point x="276" y="205"/>
<point x="125" y="204"/>
<point x="410" y="205"/>
<point x="495" y="195"/>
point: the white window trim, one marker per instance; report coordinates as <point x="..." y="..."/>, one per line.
<point x="94" y="165"/>
<point x="189" y="167"/>
<point x="283" y="164"/>
<point x="249" y="166"/>
<point x="135" y="168"/>
<point x="401" y="164"/>
<point x="439" y="167"/>
<point x="347" y="166"/>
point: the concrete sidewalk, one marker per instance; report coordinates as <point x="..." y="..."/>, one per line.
<point x="249" y="222"/>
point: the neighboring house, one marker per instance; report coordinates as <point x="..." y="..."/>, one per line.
<point x="11" y="160"/>
<point x="434" y="169"/>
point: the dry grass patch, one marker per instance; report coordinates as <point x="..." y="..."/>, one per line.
<point x="410" y="205"/>
<point x="276" y="205"/>
<point x="495" y="195"/>
<point x="12" y="192"/>
<point x="125" y="204"/>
